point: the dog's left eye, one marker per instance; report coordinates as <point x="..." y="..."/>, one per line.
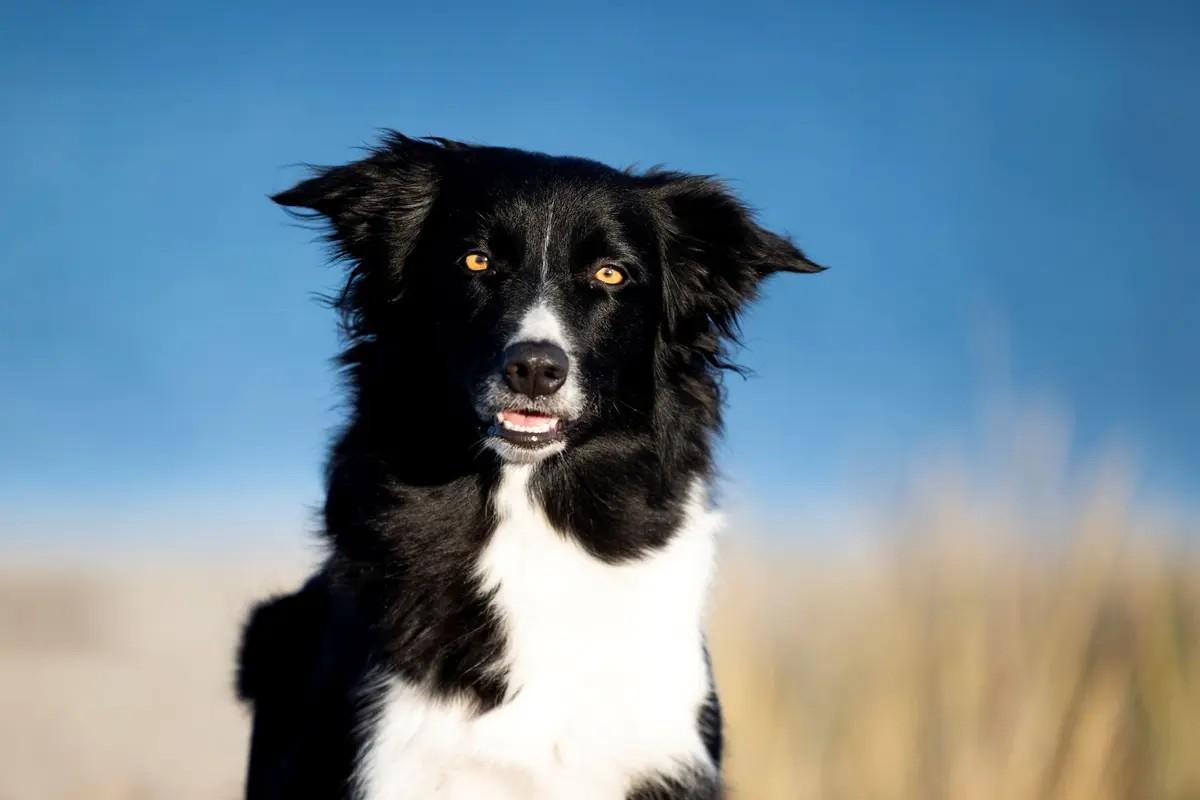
<point x="609" y="275"/>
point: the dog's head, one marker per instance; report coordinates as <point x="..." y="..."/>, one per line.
<point x="534" y="303"/>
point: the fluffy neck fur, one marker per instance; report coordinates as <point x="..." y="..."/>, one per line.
<point x="408" y="513"/>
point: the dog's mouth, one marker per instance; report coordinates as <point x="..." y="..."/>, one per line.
<point x="527" y="428"/>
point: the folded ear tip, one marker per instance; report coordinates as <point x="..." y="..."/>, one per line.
<point x="802" y="266"/>
<point x="295" y="196"/>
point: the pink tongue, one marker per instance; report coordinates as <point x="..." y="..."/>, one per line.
<point x="523" y="419"/>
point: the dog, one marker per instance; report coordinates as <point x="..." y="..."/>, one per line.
<point x="520" y="541"/>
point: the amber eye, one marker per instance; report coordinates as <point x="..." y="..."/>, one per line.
<point x="476" y="262"/>
<point x="609" y="275"/>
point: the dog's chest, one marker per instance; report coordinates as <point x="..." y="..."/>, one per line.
<point x="604" y="665"/>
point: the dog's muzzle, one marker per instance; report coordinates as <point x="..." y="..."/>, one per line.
<point x="529" y="401"/>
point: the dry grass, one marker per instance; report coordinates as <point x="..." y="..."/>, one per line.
<point x="956" y="659"/>
<point x="116" y="684"/>
<point x="968" y="662"/>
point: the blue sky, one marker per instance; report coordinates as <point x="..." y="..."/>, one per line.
<point x="1008" y="196"/>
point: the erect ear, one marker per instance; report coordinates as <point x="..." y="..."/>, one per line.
<point x="374" y="207"/>
<point x="717" y="254"/>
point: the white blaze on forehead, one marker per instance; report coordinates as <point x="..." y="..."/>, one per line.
<point x="541" y="324"/>
<point x="546" y="243"/>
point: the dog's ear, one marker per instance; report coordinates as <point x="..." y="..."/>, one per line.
<point x="374" y="207"/>
<point x="716" y="253"/>
<point x="715" y="256"/>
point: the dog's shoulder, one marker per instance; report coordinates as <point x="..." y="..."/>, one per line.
<point x="301" y="659"/>
<point x="282" y="640"/>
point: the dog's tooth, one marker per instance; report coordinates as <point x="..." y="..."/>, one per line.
<point x="531" y="423"/>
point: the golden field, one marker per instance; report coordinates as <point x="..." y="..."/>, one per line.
<point x="963" y="661"/>
<point x="964" y="654"/>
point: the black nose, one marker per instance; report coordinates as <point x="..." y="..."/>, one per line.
<point x="535" y="368"/>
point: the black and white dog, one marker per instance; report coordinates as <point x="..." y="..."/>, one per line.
<point x="520" y="543"/>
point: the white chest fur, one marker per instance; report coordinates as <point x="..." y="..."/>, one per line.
<point x="604" y="665"/>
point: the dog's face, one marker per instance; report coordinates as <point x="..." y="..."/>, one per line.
<point x="546" y="286"/>
<point x="536" y="302"/>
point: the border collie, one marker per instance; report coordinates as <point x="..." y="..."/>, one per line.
<point x="520" y="539"/>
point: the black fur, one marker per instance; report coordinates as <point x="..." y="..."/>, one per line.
<point x="407" y="510"/>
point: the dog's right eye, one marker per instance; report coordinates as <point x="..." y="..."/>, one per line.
<point x="476" y="261"/>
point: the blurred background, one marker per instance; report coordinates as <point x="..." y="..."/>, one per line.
<point x="962" y="482"/>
